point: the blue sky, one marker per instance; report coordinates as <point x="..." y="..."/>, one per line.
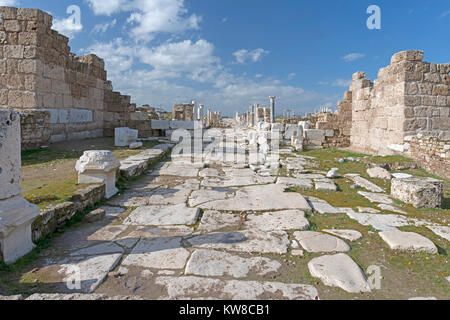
<point x="229" y="54"/>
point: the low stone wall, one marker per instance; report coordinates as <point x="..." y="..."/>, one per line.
<point x="57" y="216"/>
<point x="35" y="128"/>
<point x="430" y="153"/>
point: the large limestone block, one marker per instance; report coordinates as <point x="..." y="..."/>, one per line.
<point x="125" y="136"/>
<point x="341" y="271"/>
<point x="420" y="192"/>
<point x="99" y="167"/>
<point x="408" y="241"/>
<point x="315" y="135"/>
<point x="292" y="130"/>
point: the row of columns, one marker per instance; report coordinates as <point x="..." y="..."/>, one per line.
<point x="256" y="114"/>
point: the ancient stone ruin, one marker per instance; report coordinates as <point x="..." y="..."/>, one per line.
<point x="218" y="208"/>
<point x="16" y="214"/>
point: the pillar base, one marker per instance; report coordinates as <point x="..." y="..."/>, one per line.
<point x="16" y="217"/>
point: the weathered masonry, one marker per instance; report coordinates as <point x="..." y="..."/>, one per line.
<point x="61" y="96"/>
<point x="409" y="97"/>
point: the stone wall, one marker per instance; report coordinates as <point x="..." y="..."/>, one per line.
<point x="183" y="112"/>
<point x="35" y="128"/>
<point x="56" y="216"/>
<point x="430" y="154"/>
<point x="339" y="122"/>
<point x="38" y="71"/>
<point x="409" y="96"/>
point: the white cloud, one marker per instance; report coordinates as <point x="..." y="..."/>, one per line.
<point x="103" y="27"/>
<point x="69" y="26"/>
<point x="102" y="7"/>
<point x="9" y="3"/>
<point x="117" y="55"/>
<point x="225" y="19"/>
<point x="148" y="17"/>
<point x="353" y="56"/>
<point x="243" y="55"/>
<point x="291" y="76"/>
<point x="341" y="83"/>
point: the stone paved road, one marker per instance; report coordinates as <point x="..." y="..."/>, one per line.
<point x="220" y="231"/>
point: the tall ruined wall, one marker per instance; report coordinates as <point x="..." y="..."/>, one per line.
<point x="38" y="72"/>
<point x="409" y="96"/>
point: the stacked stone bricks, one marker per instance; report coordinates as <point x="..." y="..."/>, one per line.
<point x="409" y="96"/>
<point x="38" y="73"/>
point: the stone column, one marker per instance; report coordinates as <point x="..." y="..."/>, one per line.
<point x="16" y="214"/>
<point x="256" y="114"/>
<point x="272" y="109"/>
<point x="200" y="112"/>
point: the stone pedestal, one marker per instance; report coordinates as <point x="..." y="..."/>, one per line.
<point x="99" y="167"/>
<point x="123" y="137"/>
<point x="16" y="217"/>
<point x="16" y="214"/>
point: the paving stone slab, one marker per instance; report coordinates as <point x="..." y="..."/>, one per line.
<point x="182" y="288"/>
<point x="279" y="220"/>
<point x="321" y="206"/>
<point x="101" y="249"/>
<point x="158" y="253"/>
<point x="320" y="242"/>
<point x="260" y="198"/>
<point x="325" y="186"/>
<point x="163" y="216"/>
<point x="351" y="235"/>
<point x="107" y="233"/>
<point x="364" y="183"/>
<point x="382" y="222"/>
<point x="388" y="207"/>
<point x="173" y="169"/>
<point x="408" y="241"/>
<point x="214" y="221"/>
<point x="90" y="271"/>
<point x="441" y="231"/>
<point x="243" y="241"/>
<point x="209" y="172"/>
<point x="295" y="182"/>
<point x="202" y="196"/>
<point x="211" y="263"/>
<point x="376" y="197"/>
<point x="341" y="271"/>
<point x="160" y="232"/>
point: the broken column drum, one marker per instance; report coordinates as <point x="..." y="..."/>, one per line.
<point x="99" y="167"/>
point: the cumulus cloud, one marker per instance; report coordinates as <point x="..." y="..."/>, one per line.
<point x="148" y="17"/>
<point x="9" y="3"/>
<point x="353" y="56"/>
<point x="243" y="55"/>
<point x="103" y="27"/>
